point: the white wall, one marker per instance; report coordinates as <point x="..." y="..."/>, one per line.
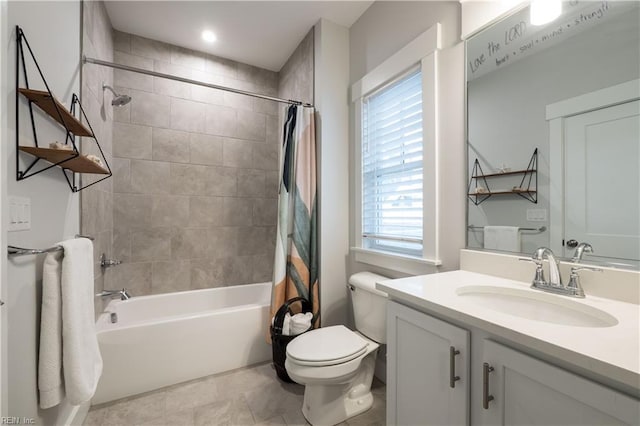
<point x="387" y="26"/>
<point x="53" y="31"/>
<point x="331" y="54"/>
<point x="452" y="179"/>
<point x="382" y="30"/>
<point x="4" y="40"/>
<point x="478" y="14"/>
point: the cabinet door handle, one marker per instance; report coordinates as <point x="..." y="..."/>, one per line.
<point x="486" y="369"/>
<point x="452" y="367"/>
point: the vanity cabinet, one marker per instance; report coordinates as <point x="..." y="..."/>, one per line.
<point x="518" y="389"/>
<point x="427" y="369"/>
<point x="497" y="385"/>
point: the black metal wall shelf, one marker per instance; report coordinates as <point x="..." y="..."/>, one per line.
<point x="529" y="176"/>
<point x="69" y="160"/>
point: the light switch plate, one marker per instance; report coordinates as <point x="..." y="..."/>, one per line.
<point x="19" y="213"/>
<point x="537" y="215"/>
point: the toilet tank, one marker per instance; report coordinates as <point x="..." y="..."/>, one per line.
<point x="369" y="305"/>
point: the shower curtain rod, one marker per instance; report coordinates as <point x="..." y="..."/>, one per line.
<point x="187" y="80"/>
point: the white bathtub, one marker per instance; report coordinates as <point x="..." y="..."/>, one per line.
<point x="170" y="338"/>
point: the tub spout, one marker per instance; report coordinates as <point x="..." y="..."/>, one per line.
<point x="123" y="294"/>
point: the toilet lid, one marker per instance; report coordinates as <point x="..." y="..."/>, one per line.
<point x="326" y="346"/>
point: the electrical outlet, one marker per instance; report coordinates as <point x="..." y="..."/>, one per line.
<point x="537" y="215"/>
<point x="19" y="213"/>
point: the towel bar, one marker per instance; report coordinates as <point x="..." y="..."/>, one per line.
<point x="13" y="251"/>
<point x="88" y="237"/>
<point x="481" y="228"/>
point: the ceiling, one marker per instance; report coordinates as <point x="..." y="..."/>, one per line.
<point x="259" y="33"/>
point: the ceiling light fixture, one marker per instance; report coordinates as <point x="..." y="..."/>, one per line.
<point x="545" y="11"/>
<point x="209" y="36"/>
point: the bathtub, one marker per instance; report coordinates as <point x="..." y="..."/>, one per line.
<point x="166" y="339"/>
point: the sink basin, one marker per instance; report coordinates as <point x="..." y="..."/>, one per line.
<point x="538" y="306"/>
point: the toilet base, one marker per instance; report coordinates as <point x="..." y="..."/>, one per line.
<point x="335" y="411"/>
<point x="326" y="405"/>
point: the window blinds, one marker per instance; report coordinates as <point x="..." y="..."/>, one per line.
<point x="392" y="167"/>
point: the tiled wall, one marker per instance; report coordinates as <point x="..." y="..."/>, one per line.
<point x="195" y="171"/>
<point x="296" y="76"/>
<point x="97" y="200"/>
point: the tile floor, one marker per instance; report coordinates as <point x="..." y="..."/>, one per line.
<point x="248" y="396"/>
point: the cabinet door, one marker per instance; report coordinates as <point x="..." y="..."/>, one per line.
<point x="527" y="391"/>
<point x="420" y="366"/>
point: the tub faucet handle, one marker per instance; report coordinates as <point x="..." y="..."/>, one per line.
<point x="107" y="263"/>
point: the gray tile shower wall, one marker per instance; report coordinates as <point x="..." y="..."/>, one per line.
<point x="195" y="171"/>
<point x="96" y="202"/>
<point x="296" y="76"/>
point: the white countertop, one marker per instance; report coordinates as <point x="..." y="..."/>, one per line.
<point x="613" y="352"/>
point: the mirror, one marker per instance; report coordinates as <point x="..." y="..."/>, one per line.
<point x="553" y="133"/>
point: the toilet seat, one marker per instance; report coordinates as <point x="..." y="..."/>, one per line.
<point x="326" y="346"/>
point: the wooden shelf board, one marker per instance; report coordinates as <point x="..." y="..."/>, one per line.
<point x="503" y="192"/>
<point x="48" y="104"/>
<point x="517" y="172"/>
<point x="79" y="164"/>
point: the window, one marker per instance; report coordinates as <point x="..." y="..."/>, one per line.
<point x="396" y="168"/>
<point x="392" y="167"/>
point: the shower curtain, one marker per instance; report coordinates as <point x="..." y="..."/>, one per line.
<point x="295" y="269"/>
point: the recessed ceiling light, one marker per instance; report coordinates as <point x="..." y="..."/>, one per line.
<point x="209" y="36"/>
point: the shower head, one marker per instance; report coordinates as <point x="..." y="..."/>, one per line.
<point x="121" y="100"/>
<point x="118" y="100"/>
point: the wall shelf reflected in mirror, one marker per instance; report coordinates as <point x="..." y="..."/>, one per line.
<point x="479" y="192"/>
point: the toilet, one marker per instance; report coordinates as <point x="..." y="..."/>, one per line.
<point x="336" y="364"/>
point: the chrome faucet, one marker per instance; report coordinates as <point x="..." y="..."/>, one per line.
<point x="580" y="251"/>
<point x="554" y="285"/>
<point x="554" y="272"/>
<point x="123" y="294"/>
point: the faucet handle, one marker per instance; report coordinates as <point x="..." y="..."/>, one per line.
<point x="574" y="285"/>
<point x="107" y="263"/>
<point x="531" y="259"/>
<point x="538" y="280"/>
<point x="575" y="269"/>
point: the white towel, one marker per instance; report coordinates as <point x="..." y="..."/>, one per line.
<point x="300" y="323"/>
<point x="70" y="361"/>
<point x="506" y="238"/>
<point x="50" y="380"/>
<point x="286" y="322"/>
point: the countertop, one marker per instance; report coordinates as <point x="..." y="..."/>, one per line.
<point x="613" y="351"/>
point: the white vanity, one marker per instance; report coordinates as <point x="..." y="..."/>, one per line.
<point x="478" y="346"/>
<point x="472" y="348"/>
